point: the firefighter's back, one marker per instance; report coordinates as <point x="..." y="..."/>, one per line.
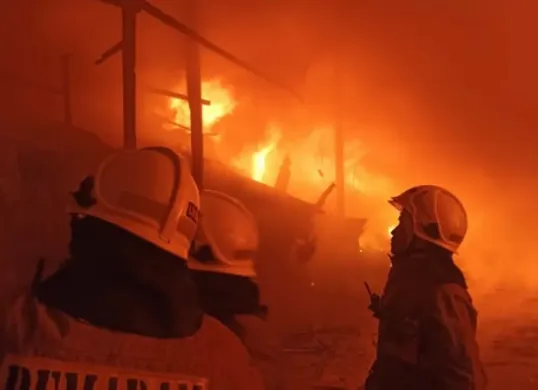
<point x="121" y="313"/>
<point x="41" y="339"/>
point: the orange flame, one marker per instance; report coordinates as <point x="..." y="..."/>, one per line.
<point x="222" y="103"/>
<point x="259" y="158"/>
<point x="254" y="161"/>
<point x="312" y="157"/>
<point x="258" y="162"/>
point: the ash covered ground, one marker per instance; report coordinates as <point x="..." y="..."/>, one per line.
<point x="338" y="350"/>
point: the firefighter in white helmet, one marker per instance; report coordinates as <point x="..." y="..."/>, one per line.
<point x="222" y="261"/>
<point x="122" y="311"/>
<point x="427" y="322"/>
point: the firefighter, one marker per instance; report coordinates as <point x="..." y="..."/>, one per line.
<point x="427" y="322"/>
<point x="122" y="311"/>
<point x="222" y="262"/>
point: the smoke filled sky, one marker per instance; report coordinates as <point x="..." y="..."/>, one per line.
<point x="468" y="67"/>
<point x="443" y="90"/>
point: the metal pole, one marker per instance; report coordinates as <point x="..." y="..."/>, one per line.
<point x="128" y="16"/>
<point x="339" y="147"/>
<point x="66" y="88"/>
<point x="194" y="94"/>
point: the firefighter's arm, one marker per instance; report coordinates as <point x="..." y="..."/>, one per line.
<point x="448" y="348"/>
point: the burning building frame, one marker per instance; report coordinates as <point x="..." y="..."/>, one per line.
<point x="284" y="220"/>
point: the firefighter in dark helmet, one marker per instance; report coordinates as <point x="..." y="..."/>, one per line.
<point x="427" y="322"/>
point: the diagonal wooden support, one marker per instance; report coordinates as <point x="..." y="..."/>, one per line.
<point x="175" y="95"/>
<point x="117" y="48"/>
<point x="66" y="88"/>
<point x="170" y="21"/>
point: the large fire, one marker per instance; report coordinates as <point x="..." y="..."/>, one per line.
<point x="221" y="101"/>
<point x="258" y="162"/>
<point x="311" y="158"/>
<point x="259" y="157"/>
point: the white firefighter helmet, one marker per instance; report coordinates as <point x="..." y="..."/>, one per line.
<point x="438" y="215"/>
<point x="227" y="239"/>
<point x="149" y="192"/>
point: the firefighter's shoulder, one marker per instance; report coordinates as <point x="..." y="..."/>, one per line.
<point x="450" y="323"/>
<point x="451" y="303"/>
<point x="452" y="337"/>
<point x="212" y="355"/>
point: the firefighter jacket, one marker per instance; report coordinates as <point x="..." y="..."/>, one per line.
<point x="427" y="328"/>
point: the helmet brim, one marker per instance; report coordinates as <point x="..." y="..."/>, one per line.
<point x="394" y="203"/>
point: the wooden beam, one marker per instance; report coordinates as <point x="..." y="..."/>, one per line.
<point x="175" y="95"/>
<point x="110" y="53"/>
<point x="194" y="95"/>
<point x="192" y="34"/>
<point x="339" y="148"/>
<point x="128" y="18"/>
<point x="66" y="88"/>
<point x="284" y="175"/>
<point x="324" y="195"/>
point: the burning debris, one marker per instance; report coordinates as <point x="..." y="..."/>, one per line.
<point x="269" y="160"/>
<point x="222" y="104"/>
<point x="284" y="175"/>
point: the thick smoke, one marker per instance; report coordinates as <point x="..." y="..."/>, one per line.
<point x="439" y="94"/>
